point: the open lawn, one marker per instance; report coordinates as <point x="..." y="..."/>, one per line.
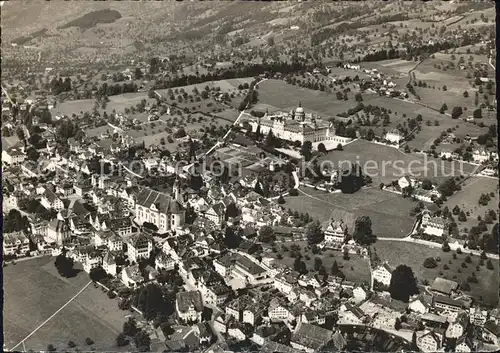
<point x="389" y="212"/>
<point x="122" y="101"/>
<point x="35" y="291"/>
<point x="413" y="255"/>
<point x="229" y="86"/>
<point x="279" y="95"/>
<point x="467" y="199"/>
<point x="71" y="107"/>
<point x="356" y="269"/>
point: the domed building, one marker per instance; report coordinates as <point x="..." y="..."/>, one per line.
<point x="298" y="126"/>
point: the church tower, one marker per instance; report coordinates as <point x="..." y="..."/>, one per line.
<point x="177" y="192"/>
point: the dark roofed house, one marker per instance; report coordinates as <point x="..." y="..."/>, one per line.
<point x="189" y="306"/>
<point x="310" y="338"/>
<point x="449" y="304"/>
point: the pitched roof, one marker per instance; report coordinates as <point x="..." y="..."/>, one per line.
<point x="163" y="202"/>
<point x="311" y="336"/>
<point x="186" y="299"/>
<point x="443" y="285"/>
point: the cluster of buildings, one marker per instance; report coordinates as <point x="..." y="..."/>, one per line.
<point x="297" y="125"/>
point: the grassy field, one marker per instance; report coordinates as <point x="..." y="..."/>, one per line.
<point x="35" y="291"/>
<point x="389" y="212"/>
<point x="413" y="255"/>
<point x="467" y="199"/>
<point x="69" y="107"/>
<point x="356" y="269"/>
<point x="385" y="164"/>
<point x="279" y="95"/>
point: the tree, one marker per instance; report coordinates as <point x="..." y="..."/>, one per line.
<point x="339" y="147"/>
<point x="266" y="234"/>
<point x="306" y="150"/>
<point x="489" y="265"/>
<point x="444" y="107"/>
<point x="318" y="264"/>
<point x="121" y="340"/>
<point x="456" y="210"/>
<point x="397" y="324"/>
<point x="363" y="233"/>
<point x="64" y="266"/>
<point x="299" y="266"/>
<point x="462" y="217"/>
<point x="270" y="41"/>
<point x="51" y="348"/>
<point x="414" y="345"/>
<point x="270" y="140"/>
<point x="430" y="262"/>
<point x="138" y="73"/>
<point x="314" y="233"/>
<point x="142" y="341"/>
<point x="466" y="94"/>
<point x="322" y="148"/>
<point x="456" y="112"/>
<point x="426" y="184"/>
<point x="89" y="341"/>
<point x="358" y="97"/>
<point x="403" y="283"/>
<point x="130" y="327"/>
<point x="446" y="247"/>
<point x="281" y="200"/>
<point x="477" y="114"/>
<point x="97" y="274"/>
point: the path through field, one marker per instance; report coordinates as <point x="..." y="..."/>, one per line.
<point x="51" y="317"/>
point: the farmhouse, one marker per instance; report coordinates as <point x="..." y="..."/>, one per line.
<point x="298" y="126"/>
<point x="13" y="156"/>
<point x="429" y="342"/>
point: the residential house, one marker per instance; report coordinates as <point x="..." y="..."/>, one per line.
<point x="139" y="246"/>
<point x="16" y="243"/>
<point x="216" y="213"/>
<point x="491" y="333"/>
<point x="310" y="338"/>
<point x="420" y="304"/>
<point x="109" y="264"/>
<point x="286" y="282"/>
<point x="406" y="181"/>
<point x="359" y="294"/>
<point x="164" y="261"/>
<point x="429" y="342"/>
<point x="457" y="328"/>
<point x="50" y="200"/>
<point x="13" y="156"/>
<point x="465" y="345"/>
<point x="219" y="324"/>
<point x="263" y="334"/>
<point x="131" y="276"/>
<point x="278" y="311"/>
<point x="335" y="233"/>
<point x="350" y="314"/>
<point x="92" y="261"/>
<point x="432" y="225"/>
<point x="189" y="306"/>
<point x="394" y="136"/>
<point x="478" y="316"/>
<point x="309" y="280"/>
<point x="249" y="271"/>
<point x="383" y="274"/>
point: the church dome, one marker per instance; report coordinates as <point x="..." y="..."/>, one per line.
<point x="299" y="109"/>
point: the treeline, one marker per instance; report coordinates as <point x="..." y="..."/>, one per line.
<point x="113" y="90"/>
<point x="58" y="85"/>
<point x="411" y="52"/>
<point x="250" y="70"/>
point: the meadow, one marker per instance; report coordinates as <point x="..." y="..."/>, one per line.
<point x="388" y="212"/>
<point x="413" y="255"/>
<point x="36" y="291"/>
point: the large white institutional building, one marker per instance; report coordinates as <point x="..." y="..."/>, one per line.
<point x="298" y="126"/>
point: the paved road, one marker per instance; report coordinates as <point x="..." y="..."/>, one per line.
<point x="489" y="62"/>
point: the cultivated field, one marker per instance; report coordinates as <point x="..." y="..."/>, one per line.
<point x="413" y="255"/>
<point x="389" y="212"/>
<point x="36" y="291"/>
